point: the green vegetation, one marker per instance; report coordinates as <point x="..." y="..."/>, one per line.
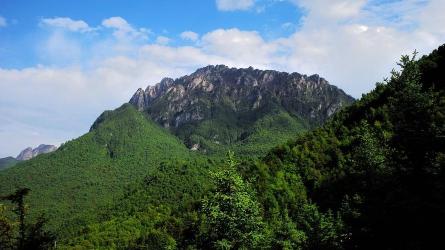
<point x="86" y="174"/>
<point x="231" y="216"/>
<point x="249" y="138"/>
<point x="370" y="178"/>
<point x="17" y="233"/>
<point x="229" y="118"/>
<point x="379" y="164"/>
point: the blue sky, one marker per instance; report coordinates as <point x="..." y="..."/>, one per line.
<point x="166" y="18"/>
<point x="63" y="62"/>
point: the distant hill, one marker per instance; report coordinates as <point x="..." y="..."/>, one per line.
<point x="7" y="162"/>
<point x="26" y="154"/>
<point x="29" y="152"/>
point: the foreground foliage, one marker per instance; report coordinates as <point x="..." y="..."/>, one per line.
<point x="20" y="234"/>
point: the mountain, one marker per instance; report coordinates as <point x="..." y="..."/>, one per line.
<point x="372" y="177"/>
<point x="29" y="152"/>
<point x="217" y="107"/>
<point x="7" y="162"/>
<point x="170" y="145"/>
<point x="26" y="154"/>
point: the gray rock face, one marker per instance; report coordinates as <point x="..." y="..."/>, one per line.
<point x="173" y="103"/>
<point x="142" y="99"/>
<point x="30" y="153"/>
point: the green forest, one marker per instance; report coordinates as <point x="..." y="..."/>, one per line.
<point x="371" y="177"/>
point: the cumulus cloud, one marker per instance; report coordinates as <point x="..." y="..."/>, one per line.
<point x="47" y="104"/>
<point x="241" y="48"/>
<point x="67" y="23"/>
<point x="123" y="30"/>
<point x="232" y="5"/>
<point x="3" y="22"/>
<point x="59" y="49"/>
<point x="163" y="40"/>
<point x="356" y="43"/>
<point x="189" y="35"/>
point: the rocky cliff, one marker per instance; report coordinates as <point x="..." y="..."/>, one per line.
<point x="29" y="152"/>
<point x="237" y="97"/>
<point x="310" y="97"/>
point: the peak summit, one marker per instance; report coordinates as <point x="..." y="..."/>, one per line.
<point x="236" y="97"/>
<point x="29" y="152"/>
<point x="248" y="84"/>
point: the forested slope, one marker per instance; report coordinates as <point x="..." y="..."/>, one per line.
<point x="379" y="163"/>
<point x="87" y="173"/>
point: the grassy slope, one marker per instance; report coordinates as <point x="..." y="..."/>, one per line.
<point x="86" y="173"/>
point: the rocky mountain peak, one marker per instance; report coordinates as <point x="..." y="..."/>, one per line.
<point x="29" y="153"/>
<point x="210" y="69"/>
<point x="173" y="103"/>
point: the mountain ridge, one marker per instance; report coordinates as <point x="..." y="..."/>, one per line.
<point x="217" y="106"/>
<point x="213" y="76"/>
<point x="26" y="154"/>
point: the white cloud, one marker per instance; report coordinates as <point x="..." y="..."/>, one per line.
<point x="67" y="23"/>
<point x="189" y="35"/>
<point x="60" y="49"/>
<point x="432" y="19"/>
<point x="163" y="40"/>
<point x="123" y="30"/>
<point x="3" y="22"/>
<point x="45" y="104"/>
<point x="356" y="43"/>
<point x="232" y="5"/>
<point x="241" y="48"/>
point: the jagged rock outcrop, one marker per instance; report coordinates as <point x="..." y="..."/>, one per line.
<point x="222" y="104"/>
<point x="142" y="99"/>
<point x="29" y="152"/>
<point x="190" y="98"/>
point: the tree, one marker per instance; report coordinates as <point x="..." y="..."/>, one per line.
<point x="231" y="216"/>
<point x="18" y="199"/>
<point x="31" y="236"/>
<point x="7" y="227"/>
